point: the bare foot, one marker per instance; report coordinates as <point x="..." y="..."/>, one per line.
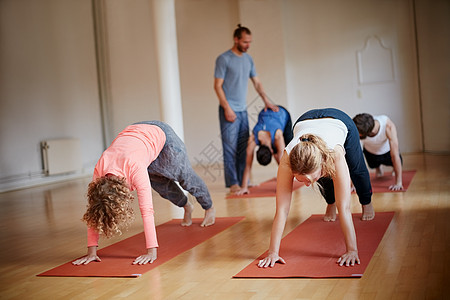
<point x="210" y="217"/>
<point x="234" y="188"/>
<point x="368" y="213"/>
<point x="242" y="191"/>
<point x="379" y="172"/>
<point x="188" y="209"/>
<point x="330" y="214"/>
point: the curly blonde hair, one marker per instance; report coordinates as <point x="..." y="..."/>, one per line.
<point x="311" y="154"/>
<point x="109" y="205"/>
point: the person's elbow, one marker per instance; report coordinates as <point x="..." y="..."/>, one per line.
<point x="218" y="83"/>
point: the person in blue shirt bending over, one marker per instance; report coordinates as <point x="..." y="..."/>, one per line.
<point x="233" y="69"/>
<point x="271" y="134"/>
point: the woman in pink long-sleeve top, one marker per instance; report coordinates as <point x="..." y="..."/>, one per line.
<point x="142" y="156"/>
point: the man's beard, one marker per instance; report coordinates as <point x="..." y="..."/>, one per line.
<point x="241" y="49"/>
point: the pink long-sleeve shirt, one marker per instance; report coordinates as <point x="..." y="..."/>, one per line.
<point x="129" y="155"/>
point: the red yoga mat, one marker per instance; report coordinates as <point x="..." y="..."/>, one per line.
<point x="381" y="184"/>
<point x="117" y="259"/>
<point x="266" y="189"/>
<point x="312" y="249"/>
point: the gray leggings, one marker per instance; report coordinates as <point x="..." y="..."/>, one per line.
<point x="172" y="164"/>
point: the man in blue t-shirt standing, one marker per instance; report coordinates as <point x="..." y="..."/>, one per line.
<point x="233" y="69"/>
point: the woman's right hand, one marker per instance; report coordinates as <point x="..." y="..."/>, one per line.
<point x="350" y="258"/>
<point x="91" y="256"/>
<point x="87" y="259"/>
<point x="270" y="260"/>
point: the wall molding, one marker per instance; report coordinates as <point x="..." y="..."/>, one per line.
<point x="375" y="62"/>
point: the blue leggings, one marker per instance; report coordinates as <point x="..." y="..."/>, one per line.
<point x="172" y="164"/>
<point x="353" y="155"/>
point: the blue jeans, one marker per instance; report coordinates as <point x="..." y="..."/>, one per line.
<point x="353" y="155"/>
<point x="234" y="144"/>
<point x="172" y="164"/>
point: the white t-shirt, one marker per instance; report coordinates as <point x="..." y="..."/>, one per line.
<point x="332" y="131"/>
<point x="378" y="144"/>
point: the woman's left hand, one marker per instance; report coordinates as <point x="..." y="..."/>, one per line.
<point x="396" y="187"/>
<point x="150" y="257"/>
<point x="349" y="259"/>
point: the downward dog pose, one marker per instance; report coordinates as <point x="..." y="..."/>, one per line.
<point x="271" y="134"/>
<point x="143" y="155"/>
<point x="326" y="149"/>
<point x="380" y="143"/>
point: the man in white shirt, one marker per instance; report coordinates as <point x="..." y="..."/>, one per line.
<point x="380" y="143"/>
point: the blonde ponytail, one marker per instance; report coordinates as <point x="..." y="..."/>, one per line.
<point x="310" y="154"/>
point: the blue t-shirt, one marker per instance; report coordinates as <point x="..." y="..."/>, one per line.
<point x="235" y="72"/>
<point x="270" y="121"/>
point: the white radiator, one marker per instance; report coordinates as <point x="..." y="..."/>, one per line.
<point x="61" y="156"/>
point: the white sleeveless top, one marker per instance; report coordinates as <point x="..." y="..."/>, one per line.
<point x="332" y="131"/>
<point x="378" y="144"/>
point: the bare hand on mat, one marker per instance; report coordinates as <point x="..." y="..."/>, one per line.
<point x="91" y="256"/>
<point x="270" y="261"/>
<point x="396" y="187"/>
<point x="349" y="259"/>
<point x="150" y="257"/>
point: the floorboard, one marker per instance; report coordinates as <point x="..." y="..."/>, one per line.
<point x="40" y="228"/>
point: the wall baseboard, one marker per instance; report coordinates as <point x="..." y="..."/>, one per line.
<point x="41" y="180"/>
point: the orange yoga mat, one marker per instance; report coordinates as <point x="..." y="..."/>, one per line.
<point x="312" y="249"/>
<point x="117" y="259"/>
<point x="266" y="189"/>
<point x="381" y="184"/>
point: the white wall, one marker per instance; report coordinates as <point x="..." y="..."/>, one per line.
<point x="323" y="38"/>
<point x="305" y="55"/>
<point x="433" y="34"/>
<point x="48" y="82"/>
<point x="265" y="19"/>
<point x="133" y="69"/>
<point x="204" y="30"/>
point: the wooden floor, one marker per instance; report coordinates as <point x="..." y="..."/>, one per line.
<point x="40" y="228"/>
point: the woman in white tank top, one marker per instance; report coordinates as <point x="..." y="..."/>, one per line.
<point x="325" y="149"/>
